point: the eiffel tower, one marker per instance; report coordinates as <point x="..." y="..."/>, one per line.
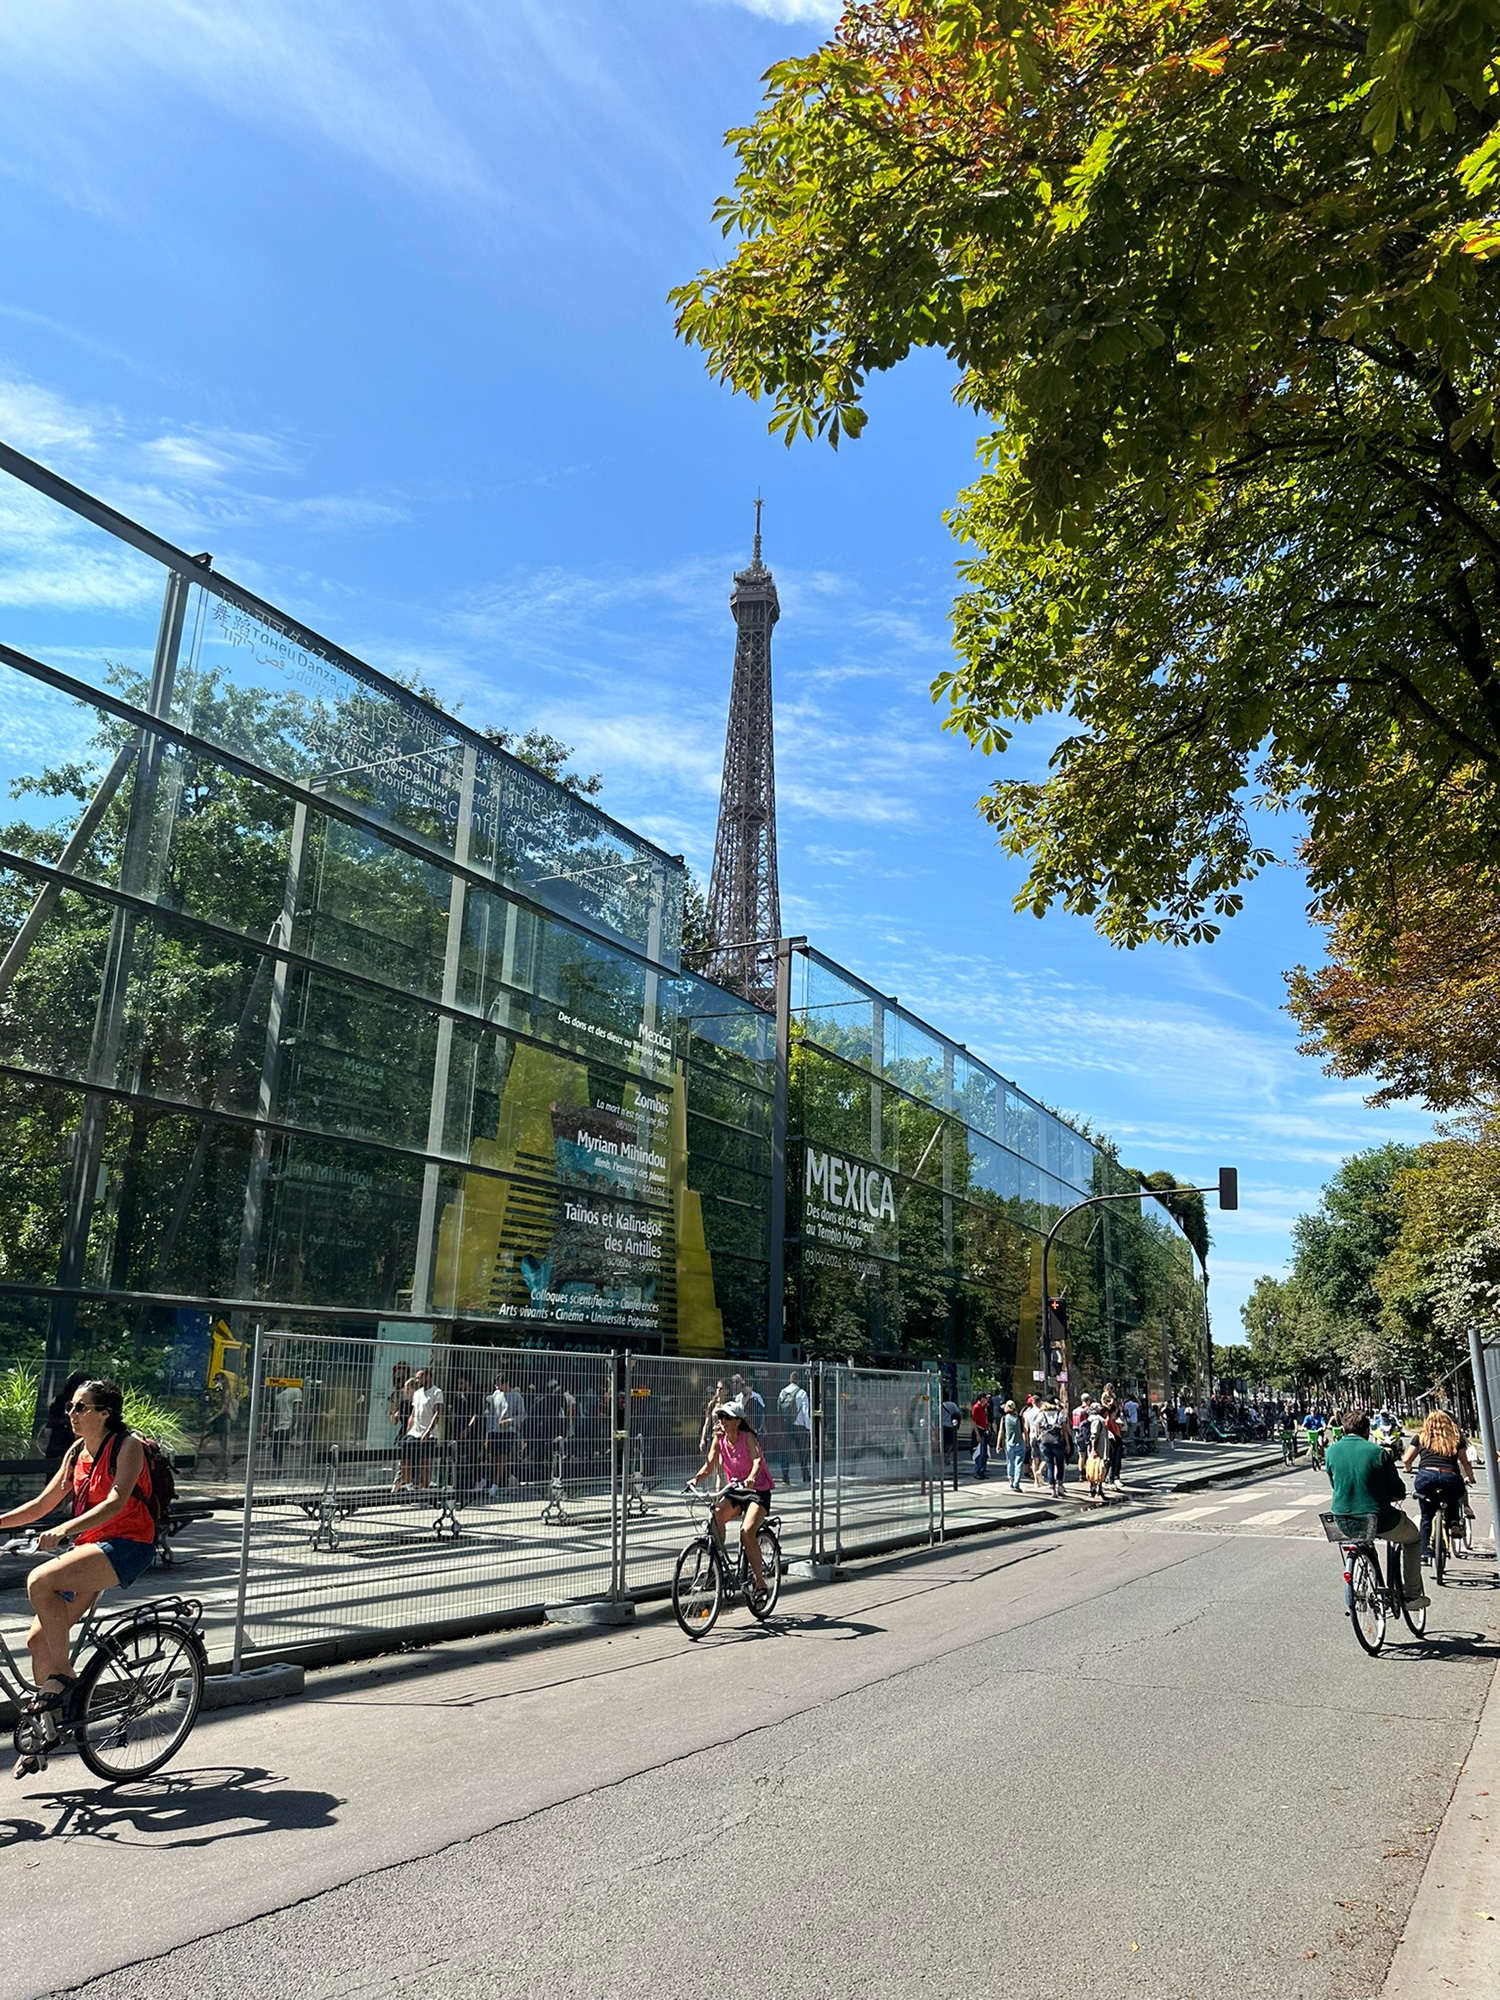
<point x="744" y="902"/>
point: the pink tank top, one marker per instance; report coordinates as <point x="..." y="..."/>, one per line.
<point x="736" y="1457"/>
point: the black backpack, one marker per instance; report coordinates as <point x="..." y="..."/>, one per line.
<point x="158" y="1467"/>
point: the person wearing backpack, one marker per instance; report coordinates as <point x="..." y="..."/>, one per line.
<point x="1048" y="1433"/>
<point x="110" y="1539"/>
<point x="796" y="1429"/>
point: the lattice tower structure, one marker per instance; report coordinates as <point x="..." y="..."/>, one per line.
<point x="744" y="899"/>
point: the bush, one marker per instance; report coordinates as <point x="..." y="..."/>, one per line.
<point x="156" y="1420"/>
<point x="17" y="1409"/>
<point x="18" y="1385"/>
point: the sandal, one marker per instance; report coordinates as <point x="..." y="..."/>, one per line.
<point x="48" y="1698"/>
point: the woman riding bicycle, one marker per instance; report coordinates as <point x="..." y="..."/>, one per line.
<point x="1444" y="1474"/>
<point x="735" y="1451"/>
<point x="112" y="1531"/>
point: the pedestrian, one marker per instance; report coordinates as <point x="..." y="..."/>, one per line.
<point x="980" y="1417"/>
<point x="398" y="1409"/>
<point x="1081" y="1432"/>
<point x="56" y="1434"/>
<point x="1049" y="1436"/>
<point x="951" y="1415"/>
<point x="1114" y="1432"/>
<point x="223" y="1408"/>
<point x="796" y="1418"/>
<point x="1130" y="1409"/>
<point x="1095" y="1445"/>
<point x="751" y="1401"/>
<point x="422" y="1433"/>
<point x="719" y="1397"/>
<point x="286" y="1414"/>
<point x="1014" y="1435"/>
<point x="501" y="1434"/>
<point x="466" y="1429"/>
<point x="1028" y="1428"/>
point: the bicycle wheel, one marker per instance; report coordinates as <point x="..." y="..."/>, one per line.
<point x="764" y="1604"/>
<point x="697" y="1589"/>
<point x="1368" y="1608"/>
<point x="138" y="1698"/>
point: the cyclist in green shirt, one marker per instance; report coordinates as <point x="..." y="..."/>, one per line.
<point x="1365" y="1481"/>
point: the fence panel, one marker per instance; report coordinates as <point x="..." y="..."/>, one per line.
<point x="671" y="1402"/>
<point x="358" y="1524"/>
<point x="882" y="1459"/>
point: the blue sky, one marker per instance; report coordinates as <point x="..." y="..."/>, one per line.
<point x="369" y="300"/>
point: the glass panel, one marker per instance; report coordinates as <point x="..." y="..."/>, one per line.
<point x="270" y="692"/>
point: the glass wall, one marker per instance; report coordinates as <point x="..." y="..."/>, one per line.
<point x="314" y="1004"/>
<point x="921" y="1184"/>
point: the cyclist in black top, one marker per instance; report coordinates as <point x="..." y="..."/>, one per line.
<point x="1444" y="1473"/>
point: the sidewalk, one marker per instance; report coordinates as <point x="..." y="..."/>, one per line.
<point x="1452" y="1941"/>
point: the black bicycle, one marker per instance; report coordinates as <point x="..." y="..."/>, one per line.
<point x="1372" y="1600"/>
<point x="136" y="1698"/>
<point x="1449" y="1535"/>
<point x="703" y="1578"/>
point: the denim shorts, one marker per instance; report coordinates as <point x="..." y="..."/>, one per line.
<point x="128" y="1559"/>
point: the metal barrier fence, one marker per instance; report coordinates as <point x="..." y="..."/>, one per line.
<point x="881" y="1466"/>
<point x="395" y="1486"/>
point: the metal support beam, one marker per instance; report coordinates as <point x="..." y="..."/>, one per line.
<point x="780" y="1099"/>
<point x="437" y="1114"/>
<point x="1487" y="1437"/>
<point x="109" y="1014"/>
<point x="253" y="1220"/>
<point x="67" y="861"/>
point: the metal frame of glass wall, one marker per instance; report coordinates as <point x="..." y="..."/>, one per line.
<point x="316" y="1006"/>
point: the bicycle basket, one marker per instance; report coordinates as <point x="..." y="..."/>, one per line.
<point x="1350" y="1527"/>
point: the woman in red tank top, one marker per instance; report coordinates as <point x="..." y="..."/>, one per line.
<point x="110" y="1539"/>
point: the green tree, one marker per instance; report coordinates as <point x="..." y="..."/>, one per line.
<point x="549" y="755"/>
<point x="1223" y="291"/>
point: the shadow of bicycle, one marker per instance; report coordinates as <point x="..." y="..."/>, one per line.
<point x="188" y="1809"/>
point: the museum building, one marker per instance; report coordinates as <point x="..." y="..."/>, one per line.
<point x="320" y="1010"/>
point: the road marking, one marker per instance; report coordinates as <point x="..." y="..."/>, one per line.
<point x="1197" y="1513"/>
<point x="1271" y="1517"/>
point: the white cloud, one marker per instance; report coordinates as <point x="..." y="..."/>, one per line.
<point x="821" y="13"/>
<point x="39" y="422"/>
<point x="182" y="481"/>
<point x="314" y="67"/>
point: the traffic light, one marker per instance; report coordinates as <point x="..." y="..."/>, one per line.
<point x="1229" y="1187"/>
<point x="1057" y="1318"/>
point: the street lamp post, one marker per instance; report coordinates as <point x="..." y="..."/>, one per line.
<point x="1227" y="1188"/>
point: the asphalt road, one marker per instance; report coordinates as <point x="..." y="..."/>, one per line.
<point x="1137" y="1756"/>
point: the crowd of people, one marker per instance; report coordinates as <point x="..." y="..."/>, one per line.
<point x="1041" y="1439"/>
<point x="503" y="1437"/>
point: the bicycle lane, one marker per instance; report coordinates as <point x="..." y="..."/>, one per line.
<point x="395" y="1762"/>
<point x="405" y="1756"/>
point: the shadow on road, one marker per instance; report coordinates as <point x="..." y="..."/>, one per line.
<point x="190" y="1809"/>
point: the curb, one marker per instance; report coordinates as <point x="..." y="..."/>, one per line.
<point x="1451" y="1943"/>
<point x="278" y="1680"/>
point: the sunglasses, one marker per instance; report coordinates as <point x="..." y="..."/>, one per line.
<point x="77" y="1409"/>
